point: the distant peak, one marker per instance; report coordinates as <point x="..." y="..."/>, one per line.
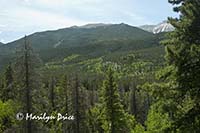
<point x="74" y="26"/>
<point x="93" y="25"/>
<point x="123" y="24"/>
<point x="164" y="26"/>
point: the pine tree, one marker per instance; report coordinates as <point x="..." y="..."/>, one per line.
<point x="78" y="107"/>
<point x="52" y="94"/>
<point x="182" y="74"/>
<point x="115" y="118"/>
<point x="27" y="80"/>
<point x="133" y="103"/>
<point x="64" y="98"/>
<point x="8" y="92"/>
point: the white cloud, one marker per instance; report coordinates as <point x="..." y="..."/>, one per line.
<point x="19" y="17"/>
<point x="49" y="3"/>
<point x="2" y="25"/>
<point x="26" y="18"/>
<point x="65" y="2"/>
<point x="41" y="18"/>
<point x="19" y="21"/>
<point x="2" y="13"/>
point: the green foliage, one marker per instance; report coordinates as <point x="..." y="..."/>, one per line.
<point x="184" y="53"/>
<point x="95" y="119"/>
<point x="115" y="118"/>
<point x="66" y="44"/>
<point x="125" y="59"/>
<point x="7" y="115"/>
<point x="179" y="87"/>
<point x="8" y="85"/>
<point x="158" y="121"/>
<point x="138" y="129"/>
<point x="69" y="58"/>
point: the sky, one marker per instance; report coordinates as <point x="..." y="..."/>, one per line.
<point x="24" y="17"/>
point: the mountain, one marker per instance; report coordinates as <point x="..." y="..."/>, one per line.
<point x="71" y="37"/>
<point x="94" y="25"/>
<point x="159" y="28"/>
<point x="1" y="43"/>
<point x="89" y="41"/>
<point x="163" y="27"/>
<point x="148" y="28"/>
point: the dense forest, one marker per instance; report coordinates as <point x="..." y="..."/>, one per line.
<point x="122" y="86"/>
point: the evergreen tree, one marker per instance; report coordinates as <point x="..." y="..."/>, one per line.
<point x="64" y="97"/>
<point x="77" y="105"/>
<point x="115" y="118"/>
<point x="8" y="92"/>
<point x="183" y="52"/>
<point x="52" y="94"/>
<point x="7" y="115"/>
<point x="27" y="80"/>
<point x="181" y="86"/>
<point x="78" y="108"/>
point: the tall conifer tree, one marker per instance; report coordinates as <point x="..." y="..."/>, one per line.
<point x="7" y="89"/>
<point x="28" y="81"/>
<point x="182" y="74"/>
<point x="115" y="116"/>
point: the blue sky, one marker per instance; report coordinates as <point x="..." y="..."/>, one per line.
<point x="20" y="17"/>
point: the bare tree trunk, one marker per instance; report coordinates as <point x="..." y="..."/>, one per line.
<point x="27" y="86"/>
<point x="77" y="105"/>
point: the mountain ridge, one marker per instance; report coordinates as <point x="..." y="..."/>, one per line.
<point x="90" y="42"/>
<point x="92" y="25"/>
<point x="113" y="31"/>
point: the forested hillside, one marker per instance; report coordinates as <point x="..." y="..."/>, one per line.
<point x="57" y="70"/>
<point x="87" y="42"/>
<point x="104" y="79"/>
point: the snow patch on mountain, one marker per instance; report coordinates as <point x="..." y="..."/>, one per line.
<point x="163" y="27"/>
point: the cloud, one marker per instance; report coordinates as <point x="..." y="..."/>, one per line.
<point x="65" y="2"/>
<point x="19" y="17"/>
<point x="22" y="20"/>
<point x="26" y="19"/>
<point x="28" y="16"/>
<point x="2" y="13"/>
<point x="1" y="25"/>
<point x="41" y="18"/>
